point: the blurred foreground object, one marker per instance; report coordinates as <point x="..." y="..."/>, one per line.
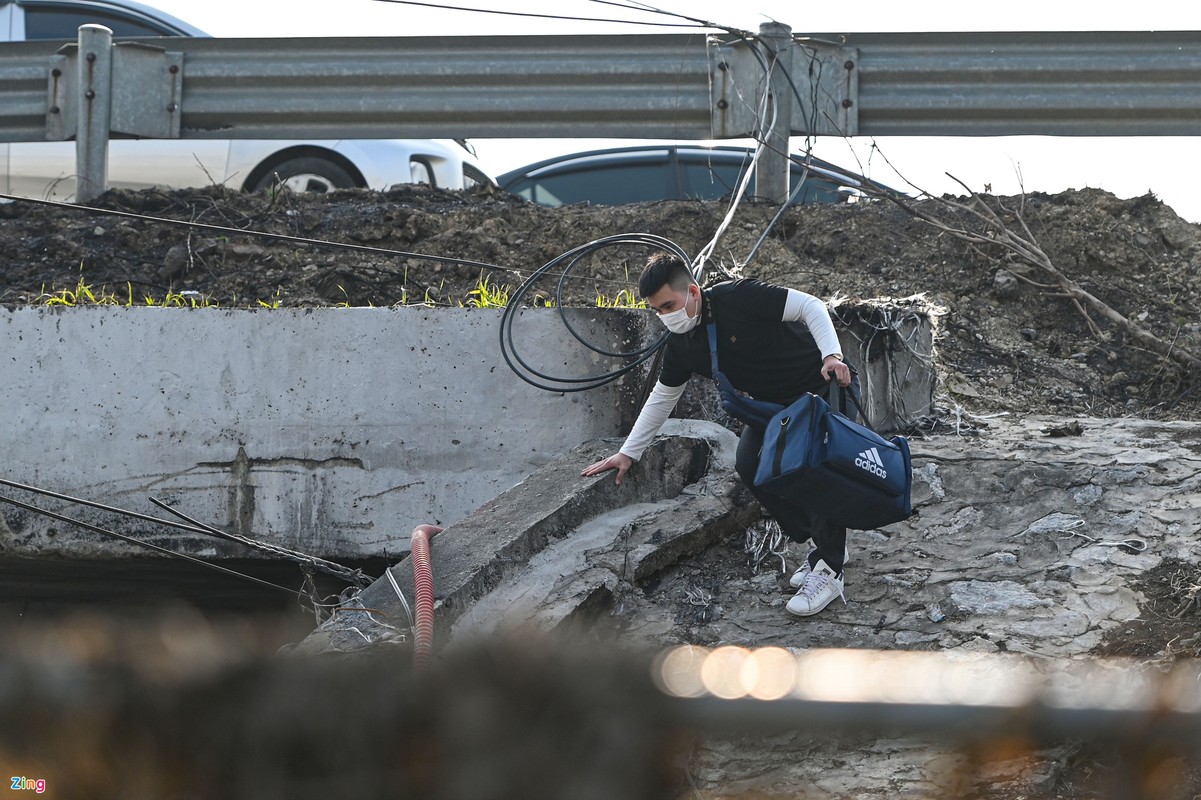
<point x="174" y="706"/>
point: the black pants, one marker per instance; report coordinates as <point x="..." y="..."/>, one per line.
<point x="797" y="523"/>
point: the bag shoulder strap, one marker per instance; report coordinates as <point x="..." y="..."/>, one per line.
<point x="712" y="326"/>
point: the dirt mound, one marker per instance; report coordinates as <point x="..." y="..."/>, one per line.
<point x="1005" y="343"/>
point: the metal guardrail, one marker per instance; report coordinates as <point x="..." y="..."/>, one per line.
<point x="657" y="86"/>
<point x="578" y="86"/>
<point x="660" y="86"/>
<point x="651" y="87"/>
<point x="1054" y="84"/>
<point x="23" y="96"/>
<point x="644" y="87"/>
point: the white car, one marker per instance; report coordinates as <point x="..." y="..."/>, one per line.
<point x="47" y="169"/>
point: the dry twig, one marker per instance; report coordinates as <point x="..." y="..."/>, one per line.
<point x="1021" y="247"/>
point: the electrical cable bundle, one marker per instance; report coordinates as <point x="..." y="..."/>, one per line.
<point x="566" y="263"/>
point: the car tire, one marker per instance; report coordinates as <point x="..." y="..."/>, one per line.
<point x="307" y="175"/>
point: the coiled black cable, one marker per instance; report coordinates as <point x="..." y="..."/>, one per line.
<point x="567" y="262"/>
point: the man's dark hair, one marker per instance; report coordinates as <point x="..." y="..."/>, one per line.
<point x="664" y="269"/>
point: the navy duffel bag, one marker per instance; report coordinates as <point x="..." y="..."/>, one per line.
<point x="838" y="469"/>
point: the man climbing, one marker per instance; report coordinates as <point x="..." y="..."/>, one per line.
<point x="774" y="344"/>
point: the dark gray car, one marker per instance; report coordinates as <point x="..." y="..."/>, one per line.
<point x="669" y="172"/>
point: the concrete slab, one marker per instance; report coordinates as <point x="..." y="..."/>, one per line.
<point x="559" y="544"/>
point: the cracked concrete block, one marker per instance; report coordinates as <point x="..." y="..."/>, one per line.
<point x="557" y="543"/>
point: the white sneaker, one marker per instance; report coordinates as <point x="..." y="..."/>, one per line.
<point x="820" y="588"/>
<point x="804" y="569"/>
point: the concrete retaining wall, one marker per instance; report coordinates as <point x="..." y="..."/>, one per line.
<point x="333" y="431"/>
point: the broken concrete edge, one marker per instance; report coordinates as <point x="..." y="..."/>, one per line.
<point x="497" y="541"/>
<point x="642" y="549"/>
<point x="605" y="565"/>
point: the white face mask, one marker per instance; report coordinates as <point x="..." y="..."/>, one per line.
<point x="678" y="321"/>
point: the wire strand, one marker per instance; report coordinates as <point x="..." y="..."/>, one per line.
<point x="648" y="8"/>
<point x="139" y="543"/>
<point x="354" y="577"/>
<point x="532" y="15"/>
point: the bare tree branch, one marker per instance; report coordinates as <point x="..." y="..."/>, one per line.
<point x="1022" y="247"/>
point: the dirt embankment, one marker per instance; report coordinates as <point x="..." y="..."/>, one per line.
<point x="1004" y="344"/>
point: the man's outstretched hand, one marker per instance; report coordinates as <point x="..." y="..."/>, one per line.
<point x="617" y="461"/>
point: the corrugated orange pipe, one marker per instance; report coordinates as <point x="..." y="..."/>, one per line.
<point x="423" y="589"/>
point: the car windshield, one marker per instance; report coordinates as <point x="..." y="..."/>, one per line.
<point x="603" y="185"/>
<point x="714" y="180"/>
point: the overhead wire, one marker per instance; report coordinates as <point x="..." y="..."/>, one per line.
<point x="648" y="8"/>
<point x="816" y="68"/>
<point x="768" y="68"/>
<point x="804" y="177"/>
<point x="748" y="172"/>
<point x="534" y="15"/>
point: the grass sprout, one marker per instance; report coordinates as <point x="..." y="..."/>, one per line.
<point x="83" y="294"/>
<point x="487" y="295"/>
<point x="623" y="299"/>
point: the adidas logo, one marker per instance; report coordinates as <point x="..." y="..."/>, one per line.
<point x="870" y="460"/>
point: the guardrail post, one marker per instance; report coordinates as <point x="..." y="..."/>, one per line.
<point x="95" y="111"/>
<point x="772" y="172"/>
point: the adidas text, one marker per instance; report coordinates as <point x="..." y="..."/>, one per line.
<point x="870" y="460"/>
